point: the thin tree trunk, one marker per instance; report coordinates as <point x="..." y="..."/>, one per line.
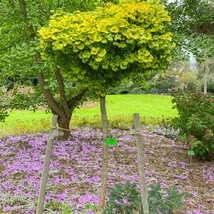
<point x="101" y="203"/>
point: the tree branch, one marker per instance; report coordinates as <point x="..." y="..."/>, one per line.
<point x="62" y="92"/>
<point x="76" y="98"/>
<point x="26" y="20"/>
<point x="51" y="102"/>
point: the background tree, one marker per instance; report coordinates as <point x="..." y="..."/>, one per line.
<point x="192" y="27"/>
<point x="102" y="47"/>
<point x="193" y="32"/>
<point x="206" y="73"/>
<point x="20" y="21"/>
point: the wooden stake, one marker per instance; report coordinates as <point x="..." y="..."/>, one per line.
<point x="52" y="135"/>
<point x="104" y="176"/>
<point x="143" y="188"/>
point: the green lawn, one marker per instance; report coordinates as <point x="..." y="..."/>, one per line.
<point x="146" y="105"/>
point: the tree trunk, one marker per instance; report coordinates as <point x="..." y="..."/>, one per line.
<point x="64" y="122"/>
<point x="105" y="154"/>
<point x="205" y="82"/>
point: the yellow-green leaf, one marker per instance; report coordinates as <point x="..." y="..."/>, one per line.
<point x="102" y="53"/>
<point x="80" y="46"/>
<point x="95" y="50"/>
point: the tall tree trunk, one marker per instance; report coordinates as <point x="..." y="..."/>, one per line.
<point x="64" y="122"/>
<point x="104" y="155"/>
<point x="205" y="87"/>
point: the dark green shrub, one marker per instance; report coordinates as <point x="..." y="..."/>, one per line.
<point x="126" y="199"/>
<point x="196" y="121"/>
<point x="192" y="86"/>
<point x="210" y="88"/>
<point x="124" y="91"/>
<point x="136" y="91"/>
<point x="3" y="115"/>
<point x="3" y="111"/>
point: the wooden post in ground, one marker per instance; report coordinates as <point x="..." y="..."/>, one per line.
<point x="143" y="188"/>
<point x="101" y="202"/>
<point x="52" y="134"/>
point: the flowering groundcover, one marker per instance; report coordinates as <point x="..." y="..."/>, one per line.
<point x="75" y="170"/>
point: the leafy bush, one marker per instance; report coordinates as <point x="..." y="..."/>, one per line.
<point x="126" y="199"/>
<point x="3" y="112"/>
<point x="136" y="90"/>
<point x="3" y="115"/>
<point x="196" y="121"/>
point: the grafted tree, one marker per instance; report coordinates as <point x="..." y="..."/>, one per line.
<point x="100" y="48"/>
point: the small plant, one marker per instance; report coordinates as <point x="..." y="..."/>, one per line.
<point x="125" y="199"/>
<point x="166" y="131"/>
<point x="165" y="204"/>
<point x="53" y="205"/>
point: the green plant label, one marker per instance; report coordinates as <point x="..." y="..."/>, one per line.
<point x="111" y="141"/>
<point x="190" y="152"/>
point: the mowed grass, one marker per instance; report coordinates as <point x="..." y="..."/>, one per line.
<point x="146" y="105"/>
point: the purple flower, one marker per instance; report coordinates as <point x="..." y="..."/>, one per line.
<point x="125" y="201"/>
<point x="117" y="202"/>
<point x="7" y="208"/>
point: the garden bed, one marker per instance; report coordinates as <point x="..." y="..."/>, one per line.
<point x="75" y="171"/>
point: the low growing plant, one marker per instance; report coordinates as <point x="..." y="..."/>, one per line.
<point x="119" y="121"/>
<point x="167" y="131"/>
<point x="53" y="205"/>
<point x="125" y="199"/>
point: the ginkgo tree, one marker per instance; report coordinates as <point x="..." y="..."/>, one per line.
<point x="100" y="48"/>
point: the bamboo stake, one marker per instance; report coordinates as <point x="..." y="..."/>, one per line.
<point x="52" y="135"/>
<point x="143" y="188"/>
<point x="101" y="202"/>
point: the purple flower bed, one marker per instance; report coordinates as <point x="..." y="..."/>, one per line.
<point x="75" y="170"/>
